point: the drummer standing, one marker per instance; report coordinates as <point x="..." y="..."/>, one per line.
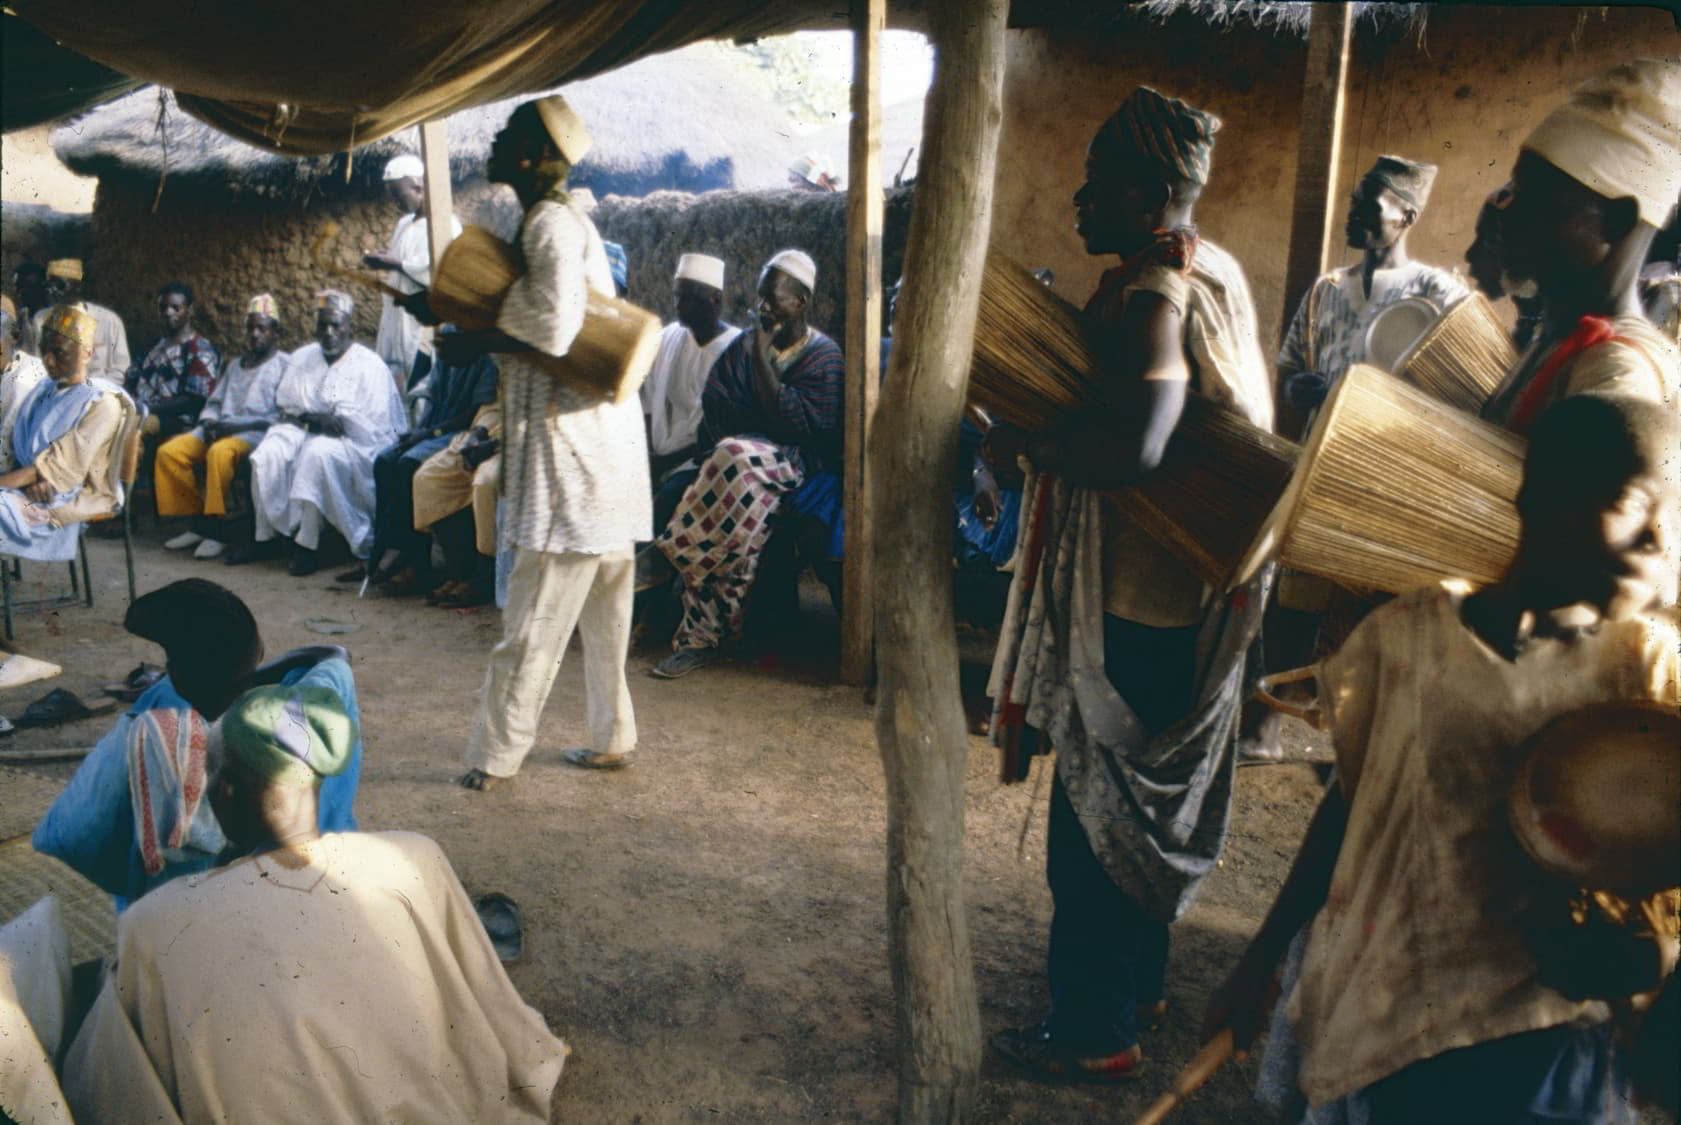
<point x="1422" y="995"/>
<point x="1138" y="681"/>
<point x="576" y="497"/>
<point x="1592" y="186"/>
<point x="1327" y="336"/>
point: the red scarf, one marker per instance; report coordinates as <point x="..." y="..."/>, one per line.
<point x="1591" y="331"/>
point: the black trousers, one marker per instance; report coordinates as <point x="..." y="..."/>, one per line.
<point x="1107" y="957"/>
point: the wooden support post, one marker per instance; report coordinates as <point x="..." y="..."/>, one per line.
<point x="919" y="715"/>
<point x="434" y="153"/>
<point x="1316" y="213"/>
<point x="863" y="337"/>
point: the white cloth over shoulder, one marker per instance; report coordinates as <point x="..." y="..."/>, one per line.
<point x="401" y="335"/>
<point x="293" y="471"/>
<point x="359" y="987"/>
<point x="245" y="394"/>
<point x="671" y="393"/>
<point x="574" y="469"/>
<point x="18" y="380"/>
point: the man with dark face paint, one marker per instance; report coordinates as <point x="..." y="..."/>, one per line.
<point x="1139" y="683"/>
<point x="1328" y="333"/>
<point x="337" y="409"/>
<point x="231" y="424"/>
<point x="1592" y="186"/>
<point x="408" y="265"/>
<point x="179" y="373"/>
<point x="771" y="428"/>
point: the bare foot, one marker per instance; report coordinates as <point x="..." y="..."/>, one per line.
<point x="479" y="780"/>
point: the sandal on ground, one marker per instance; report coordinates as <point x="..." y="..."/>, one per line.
<point x="500" y="916"/>
<point x="449" y="588"/>
<point x="588" y="759"/>
<point x="1032" y="1049"/>
<point x="61" y="706"/>
<point x="140" y="677"/>
<point x="470" y="596"/>
<point x="684" y="661"/>
<point x="404" y="584"/>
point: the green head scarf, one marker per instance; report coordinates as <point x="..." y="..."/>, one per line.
<point x="288" y="735"/>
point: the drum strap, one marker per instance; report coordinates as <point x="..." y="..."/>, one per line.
<point x="1591" y="331"/>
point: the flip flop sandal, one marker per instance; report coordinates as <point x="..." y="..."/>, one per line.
<point x="500" y="916"/>
<point x="448" y="589"/>
<point x="55" y="707"/>
<point x="134" y="684"/>
<point x="584" y="758"/>
<point x="1032" y="1050"/>
<point x="471" y="598"/>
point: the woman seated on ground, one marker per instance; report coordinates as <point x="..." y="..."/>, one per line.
<point x="133" y="817"/>
<point x="62" y="443"/>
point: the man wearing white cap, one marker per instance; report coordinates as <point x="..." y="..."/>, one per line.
<point x="574" y="469"/>
<point x="65" y="282"/>
<point x="688" y="349"/>
<point x="337" y="408"/>
<point x="1592" y="186"/>
<point x="772" y="427"/>
<point x="408" y="261"/>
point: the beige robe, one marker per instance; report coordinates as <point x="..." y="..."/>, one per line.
<point x="358" y="987"/>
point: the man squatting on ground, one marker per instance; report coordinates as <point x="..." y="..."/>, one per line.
<point x="234" y="418"/>
<point x="1143" y="671"/>
<point x="337" y="977"/>
<point x="574" y="469"/>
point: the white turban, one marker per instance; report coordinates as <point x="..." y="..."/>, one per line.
<point x="797" y="264"/>
<point x="1620" y="135"/>
<point x="703" y="268"/>
<point x="405" y="167"/>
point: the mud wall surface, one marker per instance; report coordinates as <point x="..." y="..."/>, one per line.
<point x="1462" y="94"/>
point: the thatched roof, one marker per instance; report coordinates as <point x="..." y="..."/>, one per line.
<point x="689" y="119"/>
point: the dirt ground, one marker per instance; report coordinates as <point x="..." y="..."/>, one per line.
<point x="706" y="929"/>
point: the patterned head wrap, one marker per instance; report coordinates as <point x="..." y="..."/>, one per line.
<point x="289" y="736"/>
<point x="263" y="304"/>
<point x="73" y="322"/>
<point x="335" y="300"/>
<point x="68" y="268"/>
<point x="1408" y="179"/>
<point x="1164" y="131"/>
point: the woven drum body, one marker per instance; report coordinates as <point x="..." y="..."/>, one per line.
<point x="609" y="357"/>
<point x="1463" y="358"/>
<point x="1219" y="480"/>
<point x="1598" y="799"/>
<point x="1395" y="490"/>
<point x="1031" y="362"/>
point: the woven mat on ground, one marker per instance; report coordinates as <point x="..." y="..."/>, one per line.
<point x="24" y="796"/>
<point x="26" y="876"/>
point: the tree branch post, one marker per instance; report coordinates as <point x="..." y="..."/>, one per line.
<point x="919" y="714"/>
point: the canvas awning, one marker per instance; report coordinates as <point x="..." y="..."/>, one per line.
<point x="319" y="78"/>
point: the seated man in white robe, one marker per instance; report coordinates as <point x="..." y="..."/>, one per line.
<point x="62" y="441"/>
<point x="338" y="408"/>
<point x="337" y="978"/>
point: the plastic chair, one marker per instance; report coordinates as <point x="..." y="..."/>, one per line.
<point x="121" y="470"/>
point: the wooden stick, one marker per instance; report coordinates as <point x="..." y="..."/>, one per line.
<point x="329" y="230"/>
<point x="1200" y="1069"/>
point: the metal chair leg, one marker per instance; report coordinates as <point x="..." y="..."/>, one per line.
<point x="87" y="575"/>
<point x="128" y="548"/>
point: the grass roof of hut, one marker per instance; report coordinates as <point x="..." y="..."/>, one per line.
<point x="694" y="108"/>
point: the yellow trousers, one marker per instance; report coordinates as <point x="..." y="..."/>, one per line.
<point x="176" y="485"/>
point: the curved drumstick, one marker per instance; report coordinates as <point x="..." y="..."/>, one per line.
<point x="330" y="229"/>
<point x="1200" y="1069"/>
